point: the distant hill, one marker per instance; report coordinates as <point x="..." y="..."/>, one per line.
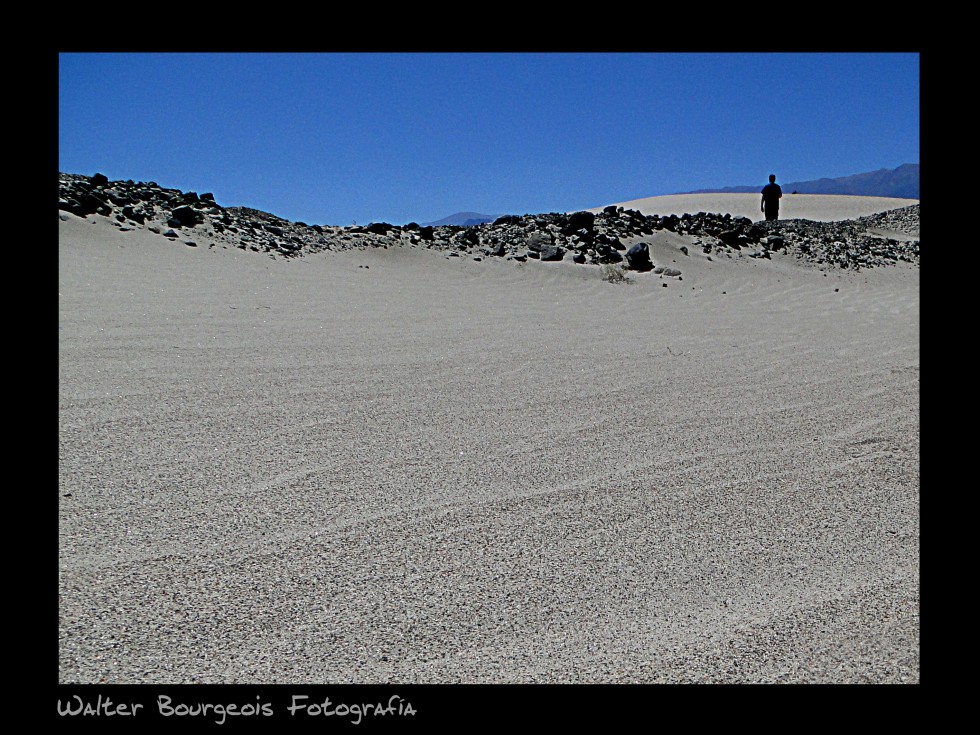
<point x="466" y="219"/>
<point x="901" y="182"/>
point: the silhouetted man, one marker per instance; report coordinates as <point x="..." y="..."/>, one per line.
<point x="771" y="193"/>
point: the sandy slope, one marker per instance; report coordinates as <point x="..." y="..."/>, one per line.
<point x="818" y="207"/>
<point x="387" y="465"/>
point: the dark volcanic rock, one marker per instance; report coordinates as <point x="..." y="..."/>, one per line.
<point x="879" y="240"/>
<point x="89" y="203"/>
<point x="730" y="238"/>
<point x="131" y="213"/>
<point x="187" y="216"/>
<point x="551" y="252"/>
<point x="118" y="198"/>
<point x="605" y="254"/>
<point x="579" y="221"/>
<point x="605" y="240"/>
<point x="638" y="257"/>
<point x="538" y="241"/>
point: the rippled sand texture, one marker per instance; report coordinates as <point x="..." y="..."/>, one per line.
<point x="390" y="466"/>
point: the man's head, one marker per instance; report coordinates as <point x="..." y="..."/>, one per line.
<point x="772" y="178"/>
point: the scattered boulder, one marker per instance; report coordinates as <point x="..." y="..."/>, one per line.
<point x="470" y="237"/>
<point x="117" y="197"/>
<point x="131" y="213"/>
<point x="186" y="216"/>
<point x="551" y="252"/>
<point x="638" y="257"/>
<point x="580" y="221"/>
<point x="538" y="241"/>
<point x="605" y="255"/>
<point x="730" y="238"/>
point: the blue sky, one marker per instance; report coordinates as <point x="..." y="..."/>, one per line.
<point x="338" y="138"/>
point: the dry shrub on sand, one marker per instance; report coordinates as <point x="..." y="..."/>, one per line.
<point x="615" y="274"/>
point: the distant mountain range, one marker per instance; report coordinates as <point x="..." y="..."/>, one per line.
<point x="901" y="182"/>
<point x="466" y="219"/>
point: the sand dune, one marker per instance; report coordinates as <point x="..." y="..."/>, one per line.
<point x="817" y="207"/>
<point x="392" y="466"/>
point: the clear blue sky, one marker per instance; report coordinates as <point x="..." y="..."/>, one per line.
<point x="337" y="138"/>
